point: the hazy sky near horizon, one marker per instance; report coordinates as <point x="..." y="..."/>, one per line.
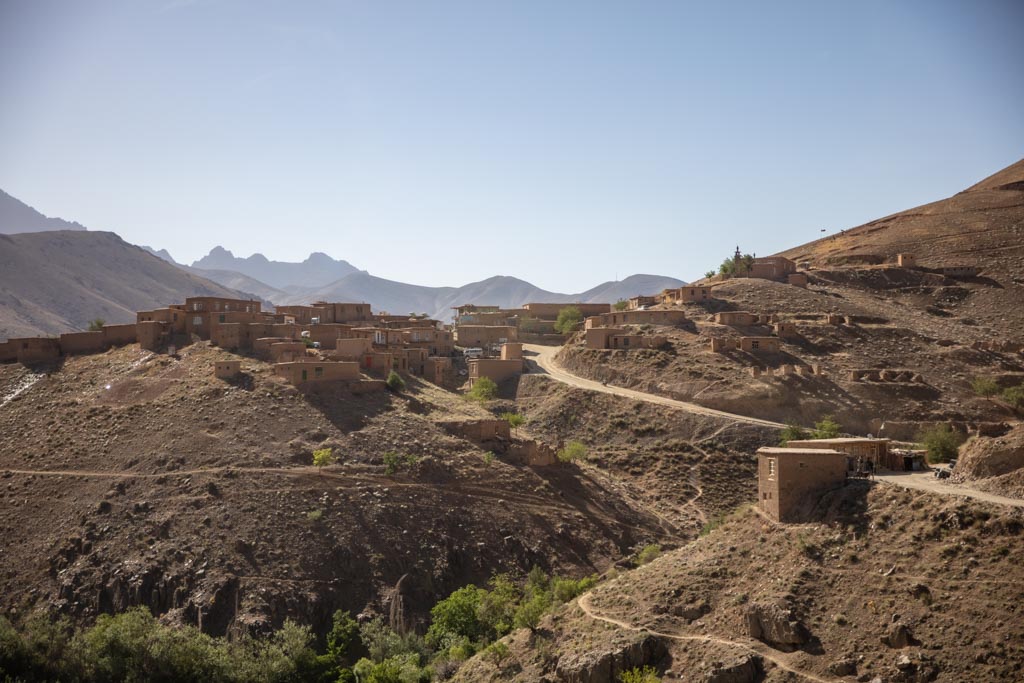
<point x="439" y="143"/>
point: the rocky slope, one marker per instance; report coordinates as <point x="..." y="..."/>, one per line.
<point x="131" y="478"/>
<point x="887" y="585"/>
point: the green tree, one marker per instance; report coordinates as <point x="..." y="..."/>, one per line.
<point x="621" y="305"/>
<point x="395" y="382"/>
<point x="97" y="325"/>
<point x="573" y="450"/>
<point x="1015" y="396"/>
<point x="530" y="610"/>
<point x="515" y="420"/>
<point x="941" y="442"/>
<point x="710" y="274"/>
<point x="791" y="432"/>
<point x="826" y="428"/>
<point x="746" y="263"/>
<point x="498" y="605"/>
<point x="343" y="642"/>
<point x="728" y="267"/>
<point x="457" y="616"/>
<point x="985" y="386"/>
<point x="484" y="389"/>
<point x="322" y="457"/>
<point x="569" y="320"/>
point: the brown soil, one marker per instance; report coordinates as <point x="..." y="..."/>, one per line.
<point x="880" y="557"/>
<point x="130" y="478"/>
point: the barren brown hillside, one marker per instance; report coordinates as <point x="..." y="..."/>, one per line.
<point x="133" y="478"/>
<point x="913" y="334"/>
<point x="54" y="282"/>
<point x="891" y="585"/>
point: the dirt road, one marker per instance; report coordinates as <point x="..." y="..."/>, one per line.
<point x="543" y="358"/>
<point x="926" y="481"/>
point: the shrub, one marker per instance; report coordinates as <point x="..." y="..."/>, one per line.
<point x="515" y="420"/>
<point x="941" y="442"/>
<point x="456" y="617"/>
<point x="569" y="320"/>
<point x="315" y="515"/>
<point x="1015" y="396"/>
<point x="497" y="652"/>
<point x="392" y="460"/>
<point x="323" y="457"/>
<point x="395" y="382"/>
<point x="488" y="458"/>
<point x="985" y="386"/>
<point x="791" y="432"/>
<point x="647" y="674"/>
<point x="498" y="605"/>
<point x="573" y="450"/>
<point x="647" y="553"/>
<point x="531" y="610"/>
<point x="484" y="389"/>
<point x="620" y="305"/>
<point x="826" y="428"/>
<point x="97" y="325"/>
<point x="565" y="590"/>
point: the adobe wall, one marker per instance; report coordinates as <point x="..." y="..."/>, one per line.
<point x="494" y="368"/>
<point x="8" y="352"/>
<point x="152" y="334"/>
<point x="759" y="344"/>
<point x="484" y="335"/>
<point x="796" y="480"/>
<point x="120" y="335"/>
<point x="741" y="318"/>
<point x="551" y="311"/>
<point x="656" y="317"/>
<point x="36" y="349"/>
<point x="82" y="342"/>
<point x="479" y="431"/>
<point x="226" y="369"/>
<point x="352" y="348"/>
<point x="303" y="372"/>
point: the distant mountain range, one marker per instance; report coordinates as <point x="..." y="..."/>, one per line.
<point x="16" y="216"/>
<point x="305" y="282"/>
<point x="63" y="276"/>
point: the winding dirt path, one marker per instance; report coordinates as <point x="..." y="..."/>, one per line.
<point x="926" y="481"/>
<point x="750" y="646"/>
<point x="544" y="358"/>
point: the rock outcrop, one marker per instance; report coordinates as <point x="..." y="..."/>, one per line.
<point x="605" y="666"/>
<point x="775" y="624"/>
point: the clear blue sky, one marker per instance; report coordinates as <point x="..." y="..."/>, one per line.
<point x="444" y="142"/>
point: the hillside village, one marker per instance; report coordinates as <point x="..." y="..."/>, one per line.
<point x="736" y="463"/>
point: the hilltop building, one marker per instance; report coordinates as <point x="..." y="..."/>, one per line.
<point x="787" y="478"/>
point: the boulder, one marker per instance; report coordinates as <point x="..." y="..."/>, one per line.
<point x="744" y="669"/>
<point x="775" y="624"/>
<point x="915" y="668"/>
<point x="898" y="636"/>
<point x="843" y="667"/>
<point x="691" y="611"/>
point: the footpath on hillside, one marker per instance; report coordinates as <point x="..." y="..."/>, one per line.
<point x="543" y="357"/>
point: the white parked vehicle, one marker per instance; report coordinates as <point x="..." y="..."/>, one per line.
<point x="474" y="352"/>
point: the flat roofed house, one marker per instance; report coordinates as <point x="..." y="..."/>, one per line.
<point x="788" y="477"/>
<point x="875" y="450"/>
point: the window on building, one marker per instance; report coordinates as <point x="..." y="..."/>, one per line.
<point x="625" y="341"/>
<point x="755" y="345"/>
<point x="175" y="317"/>
<point x="222" y="318"/>
<point x="197" y="320"/>
<point x="318" y="372"/>
<point x="771" y="468"/>
<point x="305" y="375"/>
<point x="197" y="306"/>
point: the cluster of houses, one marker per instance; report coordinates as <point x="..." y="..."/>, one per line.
<point x="321" y="342"/>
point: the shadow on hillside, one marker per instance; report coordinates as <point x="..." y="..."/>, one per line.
<point x="347" y="411"/>
<point x="846" y="505"/>
<point x="596" y="502"/>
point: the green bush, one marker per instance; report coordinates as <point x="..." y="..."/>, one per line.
<point x="791" y="432"/>
<point x="565" y="590"/>
<point x="620" y="305"/>
<point x="484" y="389"/>
<point x="647" y="674"/>
<point x="1015" y="396"/>
<point x="515" y="420"/>
<point x="647" y="554"/>
<point x="395" y="382"/>
<point x="826" y="428"/>
<point x="97" y="325"/>
<point x="941" y="442"/>
<point x="457" y="616"/>
<point x="572" y="451"/>
<point x="498" y="604"/>
<point x="985" y="386"/>
<point x="569" y="320"/>
<point x="392" y="461"/>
